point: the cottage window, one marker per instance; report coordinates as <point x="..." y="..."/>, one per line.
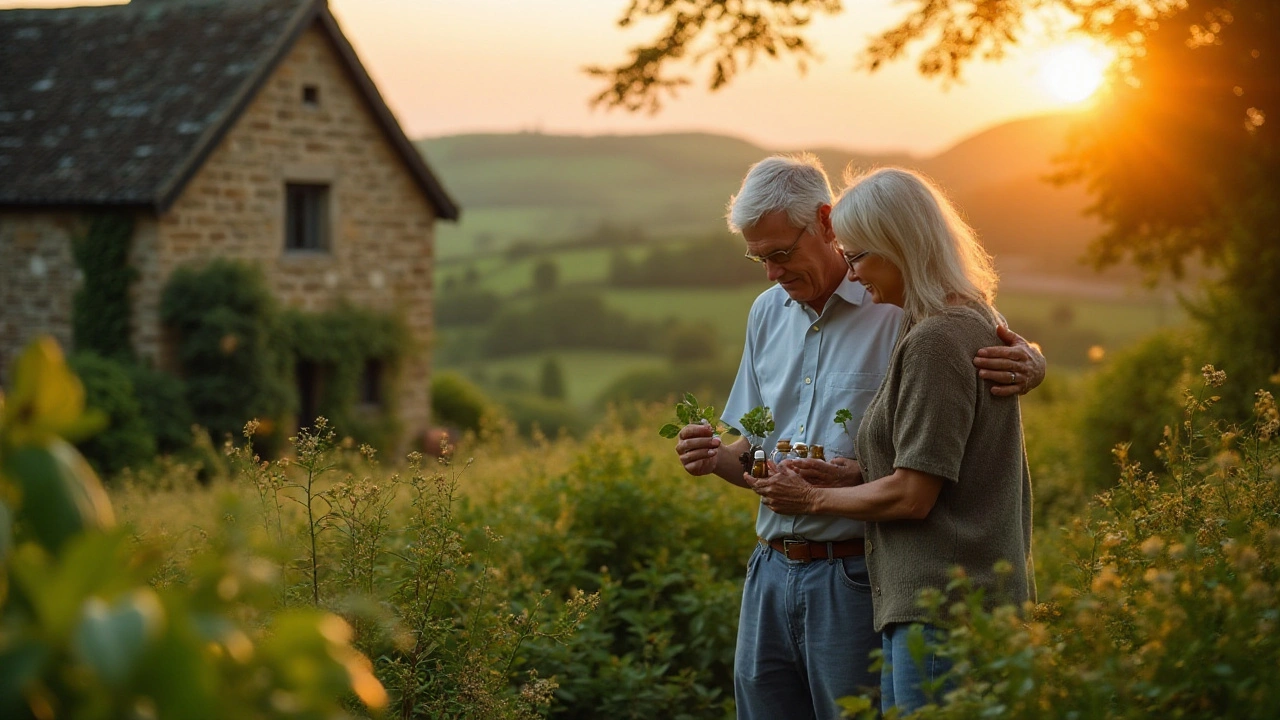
<point x="311" y="95"/>
<point x="371" y="382"/>
<point x="307" y="222"/>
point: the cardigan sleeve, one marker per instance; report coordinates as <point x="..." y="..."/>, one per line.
<point x="936" y="401"/>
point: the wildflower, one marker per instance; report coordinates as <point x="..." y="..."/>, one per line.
<point x="1212" y="376"/>
<point x="1268" y="416"/>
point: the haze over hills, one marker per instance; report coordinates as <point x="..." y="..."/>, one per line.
<point x="545" y="189"/>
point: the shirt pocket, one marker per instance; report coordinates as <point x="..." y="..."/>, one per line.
<point x="853" y="391"/>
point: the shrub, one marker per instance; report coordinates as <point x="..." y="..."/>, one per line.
<point x="532" y="412"/>
<point x="666" y="555"/>
<point x="101" y="308"/>
<point x="456" y="402"/>
<point x="551" y="379"/>
<point x="128" y="440"/>
<point x="163" y="402"/>
<point x="224" y="319"/>
<point x="1131" y="400"/>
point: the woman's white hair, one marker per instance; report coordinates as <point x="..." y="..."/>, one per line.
<point x="794" y="183"/>
<point x="904" y="218"/>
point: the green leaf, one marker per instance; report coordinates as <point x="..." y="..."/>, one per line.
<point x="669" y="431"/>
<point x="61" y="495"/>
<point x="111" y="639"/>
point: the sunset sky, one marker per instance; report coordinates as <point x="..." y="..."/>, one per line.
<point x="453" y="66"/>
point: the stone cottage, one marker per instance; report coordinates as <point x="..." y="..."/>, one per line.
<point x="242" y="129"/>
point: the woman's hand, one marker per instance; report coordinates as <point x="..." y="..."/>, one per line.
<point x="837" y="472"/>
<point x="784" y="491"/>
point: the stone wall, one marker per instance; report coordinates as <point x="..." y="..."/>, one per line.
<point x="381" y="223"/>
<point x="38" y="278"/>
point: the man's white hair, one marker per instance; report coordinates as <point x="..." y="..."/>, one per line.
<point x="906" y="219"/>
<point x="794" y="183"/>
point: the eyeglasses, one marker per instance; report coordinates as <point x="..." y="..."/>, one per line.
<point x="778" y="256"/>
<point x="852" y="258"/>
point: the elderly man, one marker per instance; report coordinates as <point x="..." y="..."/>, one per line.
<point x="815" y="345"/>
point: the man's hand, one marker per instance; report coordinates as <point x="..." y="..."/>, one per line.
<point x="697" y="449"/>
<point x="1015" y="368"/>
<point x="838" y="472"/>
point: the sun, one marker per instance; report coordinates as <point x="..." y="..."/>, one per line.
<point x="1074" y="71"/>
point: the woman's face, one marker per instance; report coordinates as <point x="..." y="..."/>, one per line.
<point x="881" y="278"/>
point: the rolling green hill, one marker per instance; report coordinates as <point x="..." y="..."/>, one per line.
<point x="538" y="189"/>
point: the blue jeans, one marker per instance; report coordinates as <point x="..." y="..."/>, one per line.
<point x="908" y="682"/>
<point x="804" y="637"/>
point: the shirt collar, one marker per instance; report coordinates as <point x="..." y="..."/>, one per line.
<point x="849" y="291"/>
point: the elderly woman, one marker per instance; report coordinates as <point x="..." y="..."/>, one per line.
<point x="944" y="471"/>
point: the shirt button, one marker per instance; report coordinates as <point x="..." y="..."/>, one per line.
<point x="808" y="380"/>
<point x="801" y="428"/>
<point x="877" y="590"/>
<point x="815" y="328"/>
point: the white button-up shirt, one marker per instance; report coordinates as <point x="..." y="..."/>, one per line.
<point x="805" y="367"/>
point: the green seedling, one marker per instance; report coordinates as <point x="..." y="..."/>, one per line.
<point x="843" y="417"/>
<point x="689" y="412"/>
<point x="757" y="424"/>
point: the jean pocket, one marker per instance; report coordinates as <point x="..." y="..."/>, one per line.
<point x="853" y="573"/>
<point x="754" y="560"/>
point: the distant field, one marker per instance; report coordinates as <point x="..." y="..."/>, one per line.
<point x="586" y="373"/>
<point x="1064" y="322"/>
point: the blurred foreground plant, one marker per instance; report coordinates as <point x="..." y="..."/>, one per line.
<point x="83" y="635"/>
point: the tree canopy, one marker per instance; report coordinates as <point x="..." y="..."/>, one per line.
<point x="1179" y="157"/>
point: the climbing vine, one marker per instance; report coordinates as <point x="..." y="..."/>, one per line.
<point x="101" y="310"/>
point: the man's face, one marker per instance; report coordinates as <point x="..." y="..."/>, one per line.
<point x="812" y="270"/>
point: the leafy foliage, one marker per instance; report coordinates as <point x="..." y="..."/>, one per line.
<point x="101" y="308"/>
<point x="225" y="320"/>
<point x="128" y="440"/>
<point x="689" y="412"/>
<point x="349" y="342"/>
<point x="757" y="424"/>
<point x="457" y="402"/>
<point x="660" y="644"/>
<point x="86" y="636"/>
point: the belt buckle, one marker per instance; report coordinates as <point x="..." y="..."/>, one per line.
<point x="786" y="549"/>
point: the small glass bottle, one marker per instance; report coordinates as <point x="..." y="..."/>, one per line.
<point x="817" y="452"/>
<point x="802" y="450"/>
<point x="782" y="451"/>
<point x="759" y="469"/>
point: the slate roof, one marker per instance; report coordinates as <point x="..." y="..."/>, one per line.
<point x="119" y="105"/>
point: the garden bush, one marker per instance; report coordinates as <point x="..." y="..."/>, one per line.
<point x="666" y="555"/>
<point x="1131" y="400"/>
<point x="128" y="439"/>
<point x="457" y="402"/>
<point x="163" y="402"/>
<point x="225" y="320"/>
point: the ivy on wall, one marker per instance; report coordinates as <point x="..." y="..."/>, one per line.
<point x="240" y="355"/>
<point x="100" y="309"/>
<point x="225" y="319"/>
<point x="353" y="347"/>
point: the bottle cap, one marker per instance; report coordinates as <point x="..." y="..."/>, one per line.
<point x="759" y="454"/>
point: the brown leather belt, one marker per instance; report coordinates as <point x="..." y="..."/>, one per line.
<point x="806" y="551"/>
